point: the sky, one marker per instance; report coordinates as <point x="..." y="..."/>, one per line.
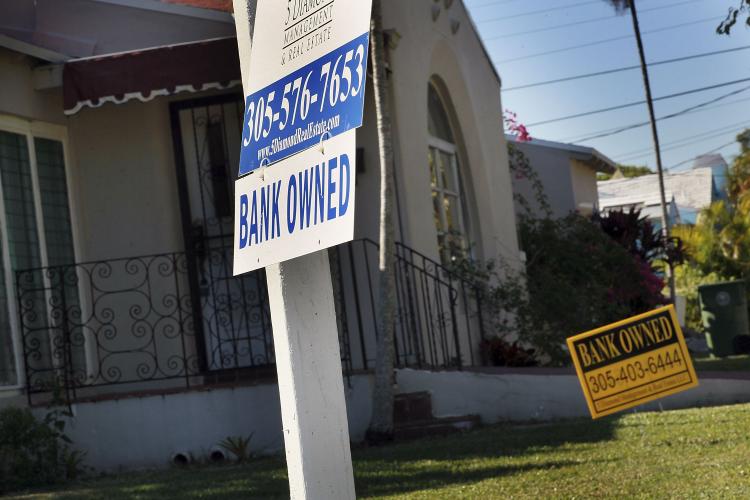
<point x="514" y="30"/>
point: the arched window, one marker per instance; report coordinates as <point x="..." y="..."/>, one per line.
<point x="448" y="198"/>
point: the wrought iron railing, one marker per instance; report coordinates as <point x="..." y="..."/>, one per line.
<point x="439" y="321"/>
<point x="123" y="321"/>
<point x="132" y="323"/>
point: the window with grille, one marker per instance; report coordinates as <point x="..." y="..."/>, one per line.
<point x="35" y="223"/>
<point x="445" y="178"/>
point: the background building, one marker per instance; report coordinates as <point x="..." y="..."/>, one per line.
<point x="690" y="191"/>
<point x="567" y="172"/>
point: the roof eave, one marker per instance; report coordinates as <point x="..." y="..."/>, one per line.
<point x="32" y="50"/>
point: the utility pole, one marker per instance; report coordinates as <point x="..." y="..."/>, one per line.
<point x="665" y="225"/>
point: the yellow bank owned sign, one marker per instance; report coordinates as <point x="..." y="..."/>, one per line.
<point x="632" y="362"/>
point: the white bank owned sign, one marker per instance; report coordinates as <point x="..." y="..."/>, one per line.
<point x="306" y="98"/>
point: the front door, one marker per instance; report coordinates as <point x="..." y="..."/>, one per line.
<point x="233" y="316"/>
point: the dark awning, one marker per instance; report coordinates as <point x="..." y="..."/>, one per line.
<point x="150" y="73"/>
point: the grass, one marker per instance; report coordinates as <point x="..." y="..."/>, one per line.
<point x="728" y="364"/>
<point x="679" y="454"/>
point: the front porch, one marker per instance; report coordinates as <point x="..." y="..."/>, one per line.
<point x="173" y="322"/>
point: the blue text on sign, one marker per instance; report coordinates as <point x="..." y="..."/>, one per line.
<point x="313" y="196"/>
<point x="324" y="98"/>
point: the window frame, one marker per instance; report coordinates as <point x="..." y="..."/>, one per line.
<point x="451" y="150"/>
<point x="31" y="130"/>
<point x="454" y="151"/>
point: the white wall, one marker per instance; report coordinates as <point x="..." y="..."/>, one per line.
<point x="425" y="51"/>
<point x="17" y="94"/>
<point x="536" y="396"/>
<point x="584" y="184"/>
<point x="554" y="170"/>
<point x="146" y="432"/>
<point x="125" y="181"/>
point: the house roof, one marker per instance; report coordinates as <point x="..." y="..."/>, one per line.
<point x="61" y="30"/>
<point x="628" y="199"/>
<point x="692" y="189"/>
<point x="710" y="160"/>
<point x="597" y="160"/>
<point x="222" y="5"/>
<point x="649" y="205"/>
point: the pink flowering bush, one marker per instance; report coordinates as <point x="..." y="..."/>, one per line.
<point x="515" y="127"/>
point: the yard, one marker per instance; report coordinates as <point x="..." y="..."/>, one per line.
<point x="679" y="454"/>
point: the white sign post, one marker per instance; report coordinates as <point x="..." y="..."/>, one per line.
<point x="304" y="85"/>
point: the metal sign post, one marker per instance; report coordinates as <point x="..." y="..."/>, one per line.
<point x="304" y="83"/>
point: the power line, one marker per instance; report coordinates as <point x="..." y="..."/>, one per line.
<point x="607" y="40"/>
<point x="625" y="68"/>
<point x="586" y="21"/>
<point x="637" y="103"/>
<point x="680" y="143"/>
<point x="613" y="131"/>
<point x="705" y="153"/>
<point x="541" y="11"/>
<point x="685" y="111"/>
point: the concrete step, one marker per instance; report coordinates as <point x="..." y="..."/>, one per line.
<point x="412" y="407"/>
<point x="435" y="427"/>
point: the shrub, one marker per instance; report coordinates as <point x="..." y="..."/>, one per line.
<point x="578" y="278"/>
<point x="29" y="450"/>
<point x="498" y="352"/>
<point x="34" y="452"/>
<point x="239" y="446"/>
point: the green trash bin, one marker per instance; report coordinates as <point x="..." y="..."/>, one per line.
<point x="724" y="315"/>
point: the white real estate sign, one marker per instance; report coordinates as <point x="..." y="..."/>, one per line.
<point x="300" y="205"/>
<point x="305" y="85"/>
<point x="307" y="75"/>
<point x="306" y="89"/>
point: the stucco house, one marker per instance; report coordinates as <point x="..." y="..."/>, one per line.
<point x="567" y="173"/>
<point x="119" y="142"/>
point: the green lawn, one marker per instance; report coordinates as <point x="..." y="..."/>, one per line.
<point x="680" y="454"/>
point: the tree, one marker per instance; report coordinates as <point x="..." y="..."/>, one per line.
<point x="621" y="6"/>
<point x="579" y="277"/>
<point x="718" y="245"/>
<point x="627" y="171"/>
<point x="381" y="423"/>
<point x="726" y="25"/>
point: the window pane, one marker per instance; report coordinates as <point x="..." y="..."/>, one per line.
<point x="7" y="358"/>
<point x="63" y="302"/>
<point x="433" y="167"/>
<point x="437" y="212"/>
<point x="19" y="203"/>
<point x="451" y="214"/>
<point x="21" y="233"/>
<point x="447" y="172"/>
<point x="448" y="196"/>
<point x="438" y="123"/>
<point x="55" y="207"/>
